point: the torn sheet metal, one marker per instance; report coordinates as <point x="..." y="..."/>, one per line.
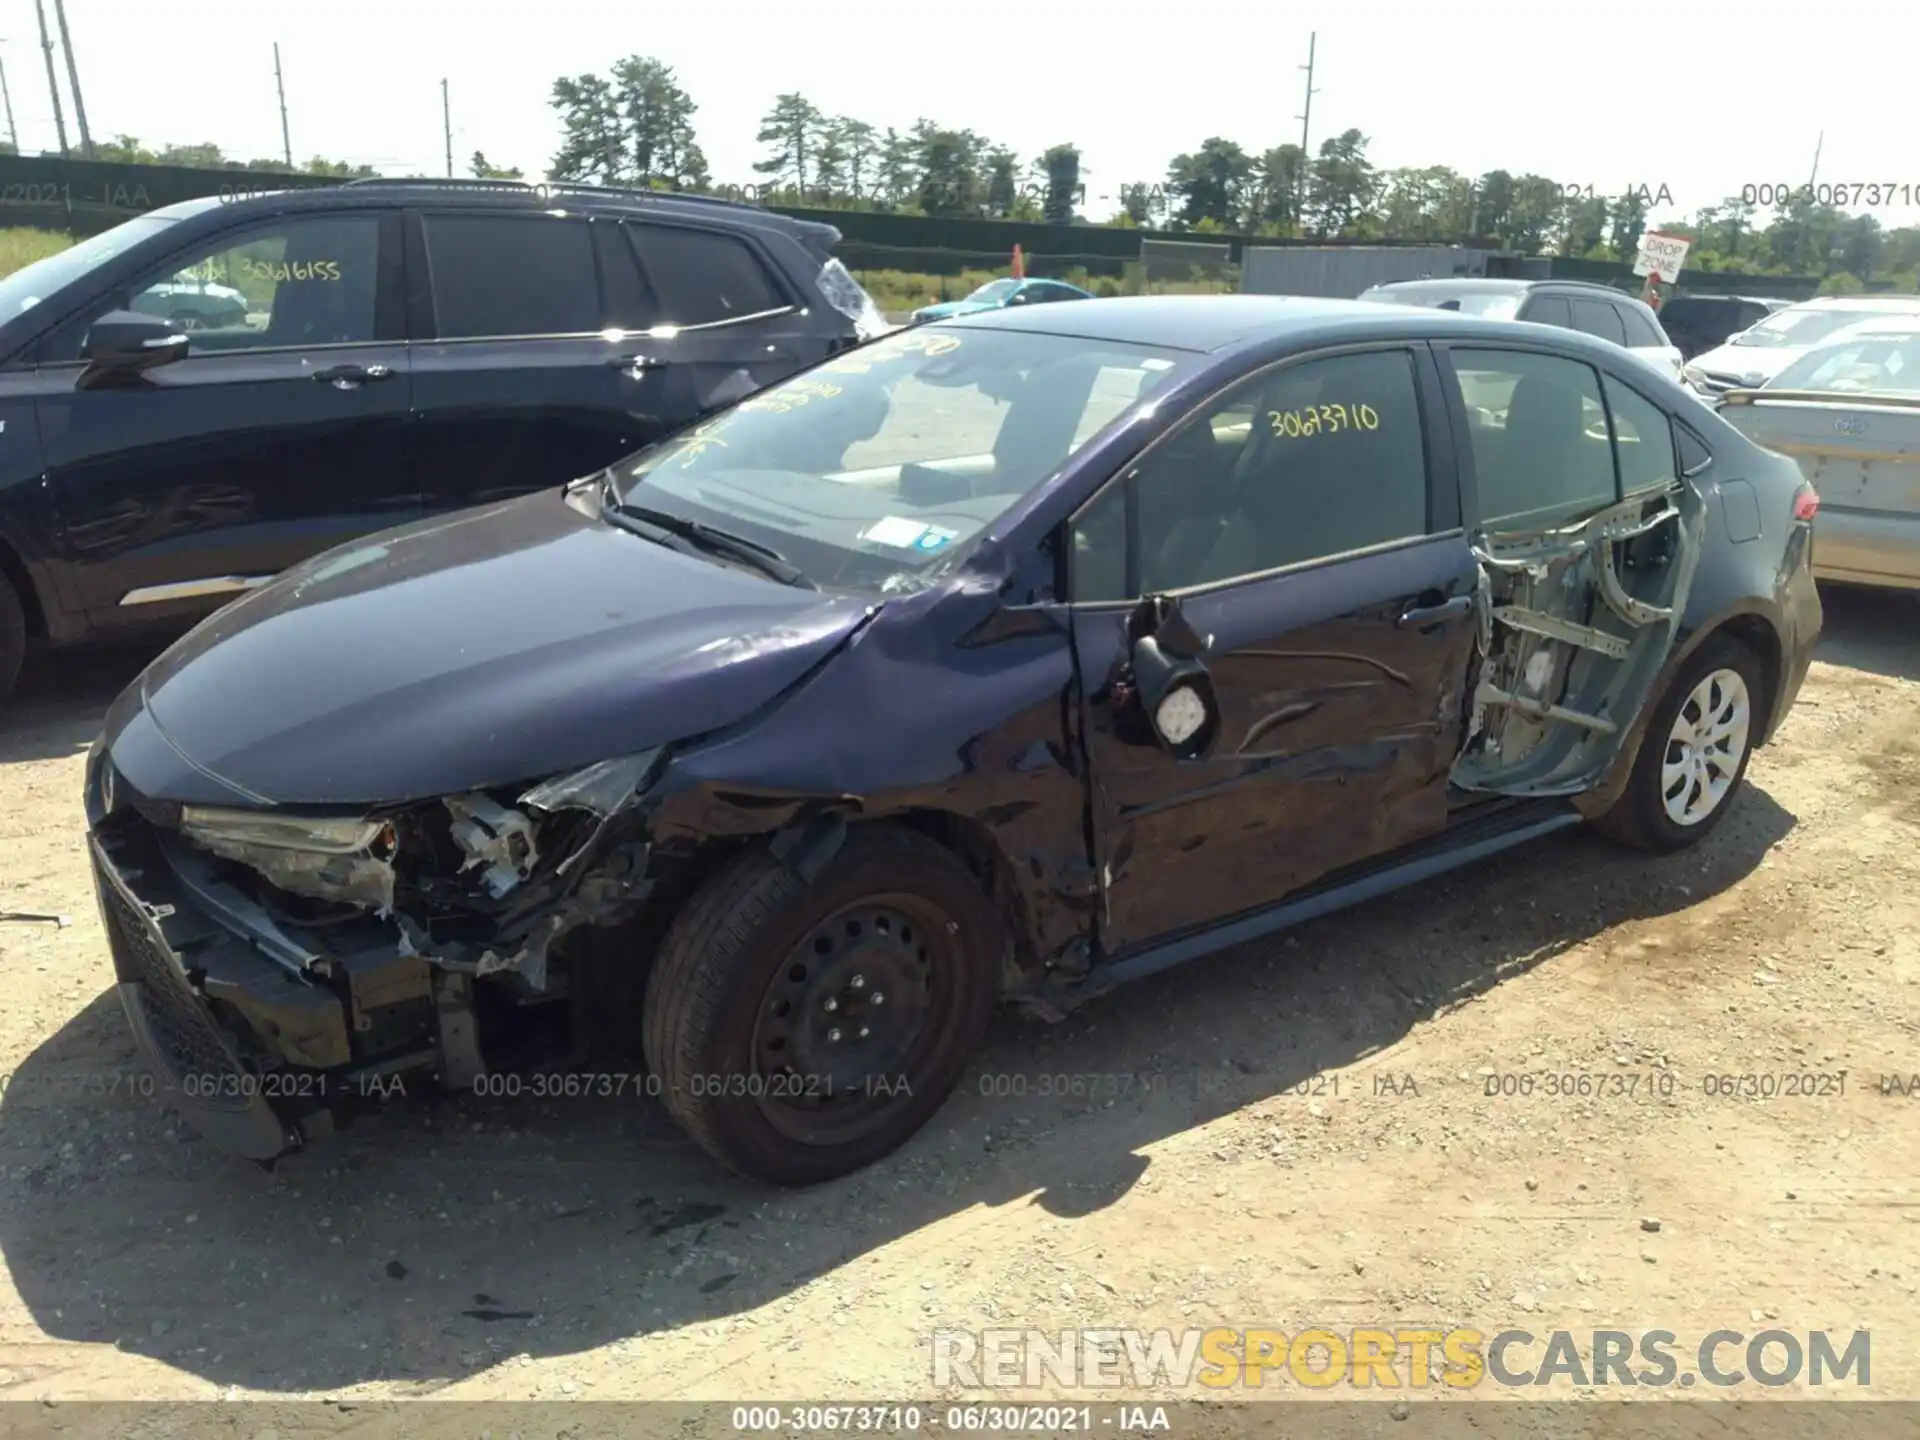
<point x="603" y="790"/>
<point x="498" y="842"/>
<point x="603" y="896"/>
<point x="599" y="789"/>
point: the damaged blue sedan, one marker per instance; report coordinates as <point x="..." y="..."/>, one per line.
<point x="998" y="660"/>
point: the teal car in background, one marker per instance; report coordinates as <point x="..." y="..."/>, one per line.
<point x="997" y="294"/>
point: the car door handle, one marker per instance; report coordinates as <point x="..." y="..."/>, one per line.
<point x="345" y="377"/>
<point x="1422" y="616"/>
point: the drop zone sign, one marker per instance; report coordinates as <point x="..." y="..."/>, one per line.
<point x="1661" y="255"/>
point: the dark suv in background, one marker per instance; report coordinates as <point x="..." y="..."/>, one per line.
<point x="1699" y="323"/>
<point x="399" y="348"/>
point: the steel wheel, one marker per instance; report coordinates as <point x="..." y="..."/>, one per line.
<point x="844" y="1025"/>
<point x="802" y="1028"/>
<point x="1705" y="747"/>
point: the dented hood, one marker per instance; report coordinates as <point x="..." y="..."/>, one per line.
<point x="487" y="647"/>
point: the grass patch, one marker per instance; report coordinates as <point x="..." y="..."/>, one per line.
<point x="909" y="290"/>
<point x="20" y="247"/>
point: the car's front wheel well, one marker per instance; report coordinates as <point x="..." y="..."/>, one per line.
<point x="982" y="854"/>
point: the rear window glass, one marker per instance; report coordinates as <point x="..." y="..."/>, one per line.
<point x="1642" y="438"/>
<point x="496" y="275"/>
<point x="1597" y="317"/>
<point x="704" y="277"/>
<point x="1642" y="330"/>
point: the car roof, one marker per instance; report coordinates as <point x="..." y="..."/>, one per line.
<point x="1862" y="302"/>
<point x="1204" y="323"/>
<point x="510" y="194"/>
<point x="1503" y="285"/>
<point x="1718" y="299"/>
<point x="1879" y="325"/>
<point x="1465" y="284"/>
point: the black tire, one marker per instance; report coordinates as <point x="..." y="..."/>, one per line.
<point x="13" y="637"/>
<point x="1639" y="817"/>
<point x="728" y="995"/>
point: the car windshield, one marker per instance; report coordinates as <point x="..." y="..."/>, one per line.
<point x="1488" y="304"/>
<point x="1808" y="325"/>
<point x="1888" y="362"/>
<point x="872" y="471"/>
<point x="27" y="287"/>
<point x="995" y="290"/>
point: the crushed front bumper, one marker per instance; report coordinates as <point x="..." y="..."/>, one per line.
<point x="258" y="1037"/>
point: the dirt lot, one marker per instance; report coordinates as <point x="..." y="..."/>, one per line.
<point x="1295" y="1133"/>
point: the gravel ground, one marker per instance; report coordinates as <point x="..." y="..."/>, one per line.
<point x="1294" y="1133"/>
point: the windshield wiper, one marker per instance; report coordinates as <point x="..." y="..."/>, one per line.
<point x="712" y="539"/>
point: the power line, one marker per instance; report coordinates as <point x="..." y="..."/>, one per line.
<point x="73" y="79"/>
<point x="286" y="144"/>
<point x="53" y="81"/>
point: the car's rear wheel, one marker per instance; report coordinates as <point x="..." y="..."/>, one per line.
<point x="1693" y="758"/>
<point x="13" y="637"/>
<point x="800" y="1031"/>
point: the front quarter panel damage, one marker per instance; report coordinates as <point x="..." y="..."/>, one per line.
<point x="953" y="711"/>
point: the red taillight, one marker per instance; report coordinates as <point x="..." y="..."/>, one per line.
<point x="1806" y="503"/>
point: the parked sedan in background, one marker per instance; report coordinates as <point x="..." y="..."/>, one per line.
<point x="192" y="301"/>
<point x="1758" y="353"/>
<point x="1565" y="304"/>
<point x="1699" y="323"/>
<point x="996" y="294"/>
<point x="1002" y="659"/>
<point x="1849" y="413"/>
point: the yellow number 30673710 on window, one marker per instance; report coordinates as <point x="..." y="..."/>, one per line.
<point x="1313" y="419"/>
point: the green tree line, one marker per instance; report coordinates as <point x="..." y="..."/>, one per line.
<point x="127" y="150"/>
<point x="635" y="126"/>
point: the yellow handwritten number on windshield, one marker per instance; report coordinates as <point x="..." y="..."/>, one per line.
<point x="1318" y="419"/>
<point x="792" y="397"/>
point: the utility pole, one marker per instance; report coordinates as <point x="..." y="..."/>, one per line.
<point x="1817" y="146"/>
<point x="53" y="81"/>
<point x="1306" y="119"/>
<point x="446" y="123"/>
<point x="13" y="131"/>
<point x="73" y="79"/>
<point x="279" y="84"/>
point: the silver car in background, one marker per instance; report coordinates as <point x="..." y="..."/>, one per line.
<point x="1757" y="354"/>
<point x="1848" y="412"/>
<point x="1613" y="315"/>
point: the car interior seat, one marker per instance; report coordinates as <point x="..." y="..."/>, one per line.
<point x="1034" y="436"/>
<point x="1541" y="437"/>
<point x="1303" y="497"/>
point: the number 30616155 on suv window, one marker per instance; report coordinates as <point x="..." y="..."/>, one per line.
<point x="772" y="750"/>
<point x="205" y="395"/>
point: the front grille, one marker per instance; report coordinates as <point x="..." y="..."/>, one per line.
<point x="183" y="1030"/>
<point x="1717" y="384"/>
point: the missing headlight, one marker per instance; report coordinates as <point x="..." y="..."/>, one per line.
<point x="344" y="859"/>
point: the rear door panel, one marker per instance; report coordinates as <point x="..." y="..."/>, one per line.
<point x="1578" y="610"/>
<point x="534" y="405"/>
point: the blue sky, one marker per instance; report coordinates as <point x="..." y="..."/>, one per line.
<point x="1558" y="89"/>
